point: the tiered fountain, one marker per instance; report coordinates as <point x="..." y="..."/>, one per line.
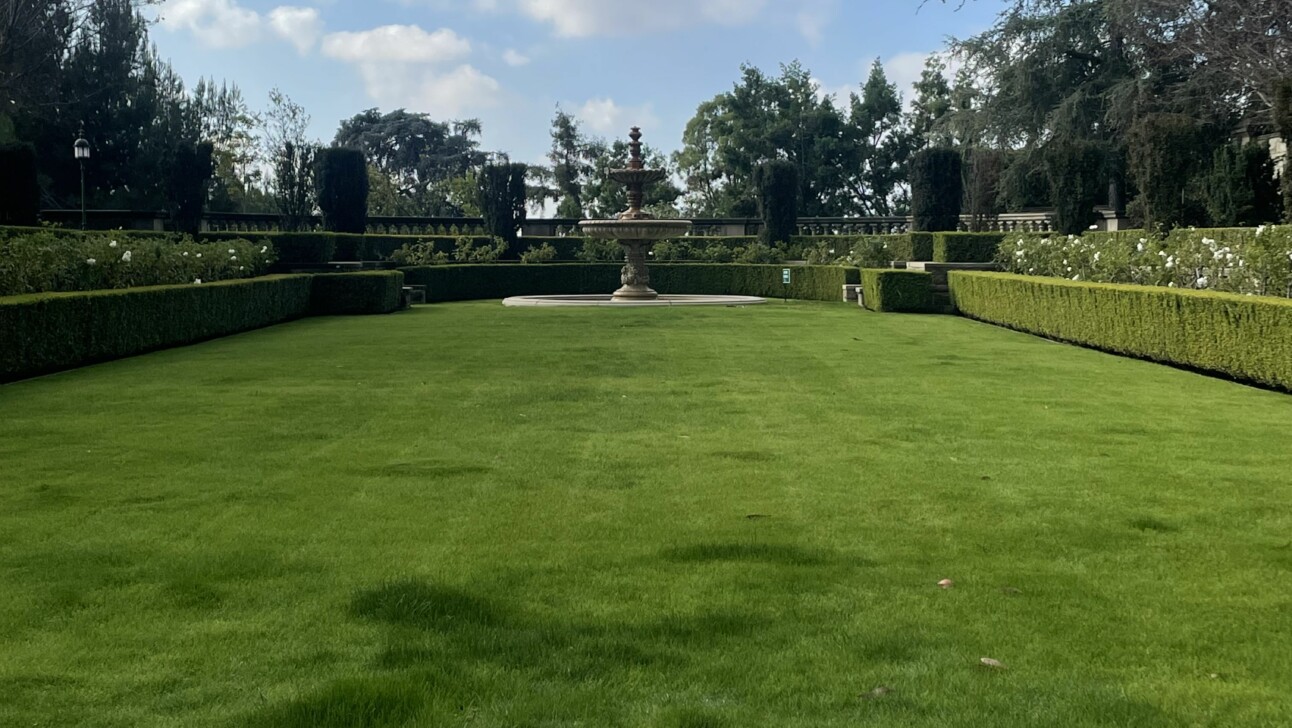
<point x="637" y="231"/>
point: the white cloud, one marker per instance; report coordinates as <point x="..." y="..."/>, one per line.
<point x="514" y="58"/>
<point x="904" y="69"/>
<point x="448" y="93"/>
<point x="402" y="43"/>
<point x="604" y="116"/>
<point x="840" y="94"/>
<point x="813" y="17"/>
<point x="584" y="18"/>
<point x="216" y="23"/>
<point x="301" y="27"/>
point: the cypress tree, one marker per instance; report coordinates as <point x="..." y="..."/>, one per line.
<point x="19" y="187"/>
<point x="341" y="177"/>
<point x="1075" y="170"/>
<point x="191" y="169"/>
<point x="501" y="190"/>
<point x="776" y="187"/>
<point x="937" y="189"/>
<point x="1163" y="159"/>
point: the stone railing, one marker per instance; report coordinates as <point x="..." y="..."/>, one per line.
<point x="1028" y="221"/>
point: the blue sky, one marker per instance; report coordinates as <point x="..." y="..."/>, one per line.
<point x="510" y="63"/>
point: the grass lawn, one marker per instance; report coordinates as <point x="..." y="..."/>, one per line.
<point x="467" y="515"/>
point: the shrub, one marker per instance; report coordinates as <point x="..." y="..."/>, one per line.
<point x="474" y="282"/>
<point x="43" y="261"/>
<point x="542" y="254"/>
<point x="1245" y="260"/>
<point x="304" y="248"/>
<point x="597" y="250"/>
<point x="19" y="186"/>
<point x="1245" y="337"/>
<point x="190" y="171"/>
<point x="469" y="250"/>
<point x="1075" y="170"/>
<point x="983" y="172"/>
<point x="777" y="187"/>
<point x="502" y="200"/>
<point x="341" y="175"/>
<point x="966" y="247"/>
<point x="937" y="189"/>
<point x="346" y="294"/>
<point x="416" y="254"/>
<point x="52" y="331"/>
<point x="891" y="290"/>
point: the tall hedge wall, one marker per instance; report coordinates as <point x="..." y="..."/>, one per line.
<point x="1245" y="337"/>
<point x="52" y="331"/>
<point x="475" y="282"/>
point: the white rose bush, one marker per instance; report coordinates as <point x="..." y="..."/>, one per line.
<point x="48" y="261"/>
<point x="1255" y="261"/>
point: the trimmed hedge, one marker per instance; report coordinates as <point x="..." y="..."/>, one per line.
<point x="348" y="294"/>
<point x="1245" y="337"/>
<point x="966" y="247"/>
<point x="47" y="332"/>
<point x="475" y="282"/>
<point x="893" y="290"/>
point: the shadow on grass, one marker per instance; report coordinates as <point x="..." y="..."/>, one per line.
<point x="354" y="703"/>
<point x="783" y="554"/>
<point x="415" y="603"/>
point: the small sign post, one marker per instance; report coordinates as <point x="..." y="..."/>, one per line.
<point x="785" y="278"/>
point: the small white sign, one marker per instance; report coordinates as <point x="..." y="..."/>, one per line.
<point x="785" y="276"/>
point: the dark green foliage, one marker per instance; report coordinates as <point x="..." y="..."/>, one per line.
<point x="347" y="294"/>
<point x="937" y="189"/>
<point x="897" y="291"/>
<point x="966" y="247"/>
<point x="1283" y="122"/>
<point x="342" y="178"/>
<point x="1076" y="172"/>
<point x="776" y="184"/>
<point x="19" y="188"/>
<point x="1164" y="156"/>
<point x="190" y="173"/>
<point x="475" y="282"/>
<point x="47" y="332"/>
<point x="983" y="171"/>
<point x="502" y="195"/>
<point x="1245" y="337"/>
<point x="1242" y="189"/>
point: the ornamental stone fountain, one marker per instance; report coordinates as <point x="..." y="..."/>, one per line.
<point x="637" y="231"/>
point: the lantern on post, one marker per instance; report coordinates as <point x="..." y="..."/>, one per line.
<point x="81" y="149"/>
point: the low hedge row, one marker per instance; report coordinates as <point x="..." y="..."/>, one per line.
<point x="46" y="332"/>
<point x="49" y="332"/>
<point x="966" y="247"/>
<point x="349" y="294"/>
<point x="911" y="246"/>
<point x="893" y="290"/>
<point x="475" y="282"/>
<point x="1245" y="337"/>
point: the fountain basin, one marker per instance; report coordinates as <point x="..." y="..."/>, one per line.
<point x="609" y="300"/>
<point x="643" y="230"/>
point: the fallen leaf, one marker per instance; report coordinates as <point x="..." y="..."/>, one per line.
<point x="993" y="664"/>
<point x="877" y="693"/>
<point x="946" y="583"/>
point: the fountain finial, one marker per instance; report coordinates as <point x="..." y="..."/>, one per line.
<point x="635" y="177"/>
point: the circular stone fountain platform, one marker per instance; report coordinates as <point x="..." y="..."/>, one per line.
<point x="608" y="300"/>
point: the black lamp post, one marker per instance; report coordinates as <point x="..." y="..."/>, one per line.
<point x="81" y="149"/>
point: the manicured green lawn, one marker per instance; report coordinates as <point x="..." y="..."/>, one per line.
<point x="467" y="515"/>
